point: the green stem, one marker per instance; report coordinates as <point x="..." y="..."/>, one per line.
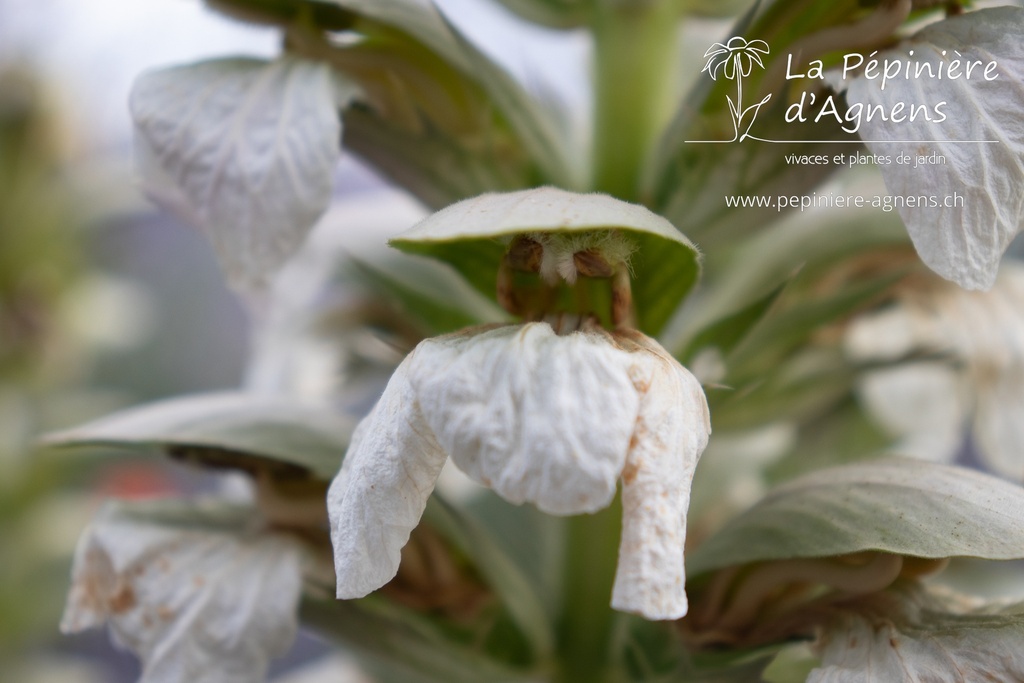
<point x="635" y="60"/>
<point x="592" y="550"/>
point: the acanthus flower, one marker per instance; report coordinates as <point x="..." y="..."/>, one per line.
<point x="553" y="412"/>
<point x="196" y="603"/>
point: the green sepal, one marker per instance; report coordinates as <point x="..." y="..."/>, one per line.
<point x="894" y="505"/>
<point x="473" y="235"/>
<point x="232" y="430"/>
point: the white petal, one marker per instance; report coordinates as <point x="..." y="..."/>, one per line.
<point x="378" y="497"/>
<point x="671" y="432"/>
<point x="243" y="149"/>
<point x="536" y="416"/>
<point x="925" y="405"/>
<point x="961" y="244"/>
<point x="913" y="636"/>
<point x="196" y="605"/>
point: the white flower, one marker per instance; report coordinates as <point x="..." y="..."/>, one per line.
<point x="974" y="371"/>
<point x="908" y="633"/>
<point x="972" y="126"/>
<point x="551" y="419"/>
<point x="196" y="604"/>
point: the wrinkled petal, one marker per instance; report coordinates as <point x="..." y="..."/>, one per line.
<point x="379" y="496"/>
<point x="244" y="150"/>
<point x="197" y="605"/>
<point x="671" y="432"/>
<point x="910" y="635"/>
<point x="963" y="244"/>
<point x="535" y="416"/>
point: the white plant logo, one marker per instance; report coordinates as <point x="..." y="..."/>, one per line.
<point x="735" y="60"/>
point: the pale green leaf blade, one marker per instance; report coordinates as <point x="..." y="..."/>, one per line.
<point x="232" y="429"/>
<point x="906" y="507"/>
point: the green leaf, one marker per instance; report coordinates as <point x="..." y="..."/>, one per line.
<point x="726" y="332"/>
<point x="535" y="129"/>
<point x="401" y="645"/>
<point x="894" y="505"/>
<point x="784" y="331"/>
<point x="801" y="387"/>
<point x="231" y="429"/>
<point x="499" y="572"/>
<point x="473" y="235"/>
<point x="438" y="302"/>
<point x="438" y="169"/>
<point x="532" y="539"/>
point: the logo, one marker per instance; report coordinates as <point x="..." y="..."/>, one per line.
<point x="735" y="60"/>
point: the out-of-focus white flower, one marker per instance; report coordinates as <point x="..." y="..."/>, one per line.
<point x="197" y="605"/>
<point x="977" y="377"/>
<point x="552" y="419"/>
<point x="971" y="126"/>
<point x="909" y="633"/>
<point x="244" y="150"/>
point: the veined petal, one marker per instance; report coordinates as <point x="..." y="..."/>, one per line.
<point x="197" y="605"/>
<point x="911" y="635"/>
<point x="244" y="150"/>
<point x="535" y="416"/>
<point x="378" y="497"/>
<point x="671" y="432"/>
<point x="961" y="243"/>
